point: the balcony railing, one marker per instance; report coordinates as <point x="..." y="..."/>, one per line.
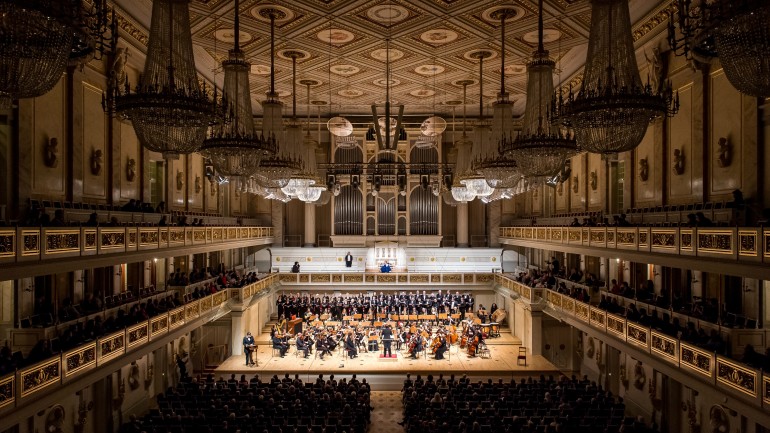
<point x="750" y="383"/>
<point x="32" y="244"/>
<point x="746" y="244"/>
<point x="61" y="369"/>
<point x="394" y="278"/>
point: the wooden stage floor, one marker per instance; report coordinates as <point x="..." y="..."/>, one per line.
<point x="502" y="361"/>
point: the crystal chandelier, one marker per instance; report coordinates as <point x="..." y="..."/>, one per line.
<point x="233" y="147"/>
<point x="539" y="149"/>
<point x="460" y="193"/>
<point x="734" y="30"/>
<point x="473" y="180"/>
<point x="276" y="171"/>
<point x="498" y="168"/>
<point x="612" y="110"/>
<point x="39" y="37"/>
<point x="169" y="111"/>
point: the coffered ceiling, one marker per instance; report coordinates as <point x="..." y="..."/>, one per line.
<point x="343" y="44"/>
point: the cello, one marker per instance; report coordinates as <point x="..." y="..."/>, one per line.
<point x="474" y="345"/>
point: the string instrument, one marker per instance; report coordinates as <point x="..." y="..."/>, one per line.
<point x="452" y="337"/>
<point x="435" y="344"/>
<point x="473" y="347"/>
<point x="412" y="344"/>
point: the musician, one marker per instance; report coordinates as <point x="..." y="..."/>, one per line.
<point x="302" y="344"/>
<point x="322" y="346"/>
<point x="482" y="313"/>
<point x="416" y="345"/>
<point x="248" y="347"/>
<point x="279" y="343"/>
<point x="350" y="346"/>
<point x="348" y="260"/>
<point x="385" y="268"/>
<point x="442" y="347"/>
<point x="295" y="268"/>
<point x="387" y="339"/>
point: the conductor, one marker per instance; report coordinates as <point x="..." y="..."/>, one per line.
<point x="387" y="338"/>
<point x="248" y="347"/>
<point x="348" y="260"/>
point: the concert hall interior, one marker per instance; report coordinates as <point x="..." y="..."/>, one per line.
<point x="362" y="216"/>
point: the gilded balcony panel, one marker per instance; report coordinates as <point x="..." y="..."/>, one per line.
<point x="303" y="278"/>
<point x="158" y="326"/>
<point x="556" y="234"/>
<point x="418" y="278"/>
<point x="626" y="238"/>
<point x="554" y="298"/>
<point x="320" y="278"/>
<point x="541" y="236"/>
<point x="90" y="237"/>
<point x="30" y="243"/>
<point x="199" y="235"/>
<point x="386" y="278"/>
<point x="111" y="346"/>
<point x="610" y="238"/>
<point x="638" y="335"/>
<point x="695" y="359"/>
<point x="176" y="317"/>
<point x="597" y="238"/>
<point x="581" y="311"/>
<point x="217" y="234"/>
<point x="62" y="241"/>
<point x="573" y="235"/>
<point x="112" y="239"/>
<point x="289" y="278"/>
<point x="370" y="278"/>
<point x="209" y="234"/>
<point x="715" y="241"/>
<point x="663" y="240"/>
<point x="747" y="243"/>
<point x="243" y="233"/>
<point x="79" y="359"/>
<point x="220" y="297"/>
<point x="7" y="391"/>
<point x="39" y="376"/>
<point x="585" y="237"/>
<point x="358" y="278"/>
<point x="336" y="278"/>
<point x="205" y="304"/>
<point x="192" y="310"/>
<point x="685" y="240"/>
<point x="137" y="334"/>
<point x="598" y="318"/>
<point x="176" y="236"/>
<point x="644" y="239"/>
<point x="766" y="389"/>
<point x="133" y="238"/>
<point x="452" y="278"/>
<point x="568" y="304"/>
<point x="616" y="325"/>
<point x="528" y="233"/>
<point x="737" y="377"/>
<point x="148" y="238"/>
<point x="483" y="278"/>
<point x="7" y="246"/>
<point x="664" y="346"/>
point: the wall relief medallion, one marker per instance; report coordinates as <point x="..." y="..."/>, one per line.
<point x="719" y="419"/>
<point x="644" y="169"/>
<point x="678" y="161"/>
<point x="51" y="153"/>
<point x="54" y="421"/>
<point x="575" y="186"/>
<point x="130" y="169"/>
<point x="198" y="184"/>
<point x="593" y="180"/>
<point x="179" y="180"/>
<point x="724" y="152"/>
<point x="96" y="162"/>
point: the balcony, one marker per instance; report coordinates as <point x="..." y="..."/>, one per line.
<point x="748" y="248"/>
<point x="16" y="389"/>
<point x="390" y="278"/>
<point x="719" y="371"/>
<point x="26" y="247"/>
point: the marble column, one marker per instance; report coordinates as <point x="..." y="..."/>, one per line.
<point x="309" y="225"/>
<point x="462" y="225"/>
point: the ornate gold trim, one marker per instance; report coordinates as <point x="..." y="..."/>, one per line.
<point x="79" y="359"/>
<point x="695" y="359"/>
<point x="7" y="391"/>
<point x="737" y="377"/>
<point x="40" y="376"/>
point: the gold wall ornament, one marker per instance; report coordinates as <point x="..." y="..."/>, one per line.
<point x="133" y="376"/>
<point x="575" y="184"/>
<point x="644" y="169"/>
<point x="118" y="67"/>
<point x="55" y="419"/>
<point x="96" y="161"/>
<point x="179" y="180"/>
<point x="593" y="180"/>
<point x="724" y="152"/>
<point x="719" y="419"/>
<point x="214" y="187"/>
<point x="640" y="376"/>
<point x="591" y="350"/>
<point x="560" y="188"/>
<point x="83" y="409"/>
<point x="51" y="153"/>
<point x="130" y="169"/>
<point x="198" y="184"/>
<point x="678" y="161"/>
<point x="624" y="375"/>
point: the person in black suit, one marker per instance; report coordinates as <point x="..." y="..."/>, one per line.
<point x="302" y="344"/>
<point x="350" y="346"/>
<point x="295" y="268"/>
<point x="441" y="348"/>
<point x="348" y="260"/>
<point x="278" y="343"/>
<point x="387" y="338"/>
<point x="248" y="347"/>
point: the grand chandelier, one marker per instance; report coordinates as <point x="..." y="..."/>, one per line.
<point x="539" y="149"/>
<point x="734" y="30"/>
<point x="169" y="110"/>
<point x="495" y="167"/>
<point x="39" y="37"/>
<point x="612" y="110"/>
<point x="233" y="147"/>
<point x="460" y="193"/>
<point x="473" y="180"/>
<point x="276" y="171"/>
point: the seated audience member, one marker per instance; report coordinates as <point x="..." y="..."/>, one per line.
<point x="295" y="267"/>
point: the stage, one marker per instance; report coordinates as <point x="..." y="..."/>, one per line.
<point x="502" y="361"/>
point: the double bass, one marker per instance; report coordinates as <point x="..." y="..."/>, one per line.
<point x="473" y="346"/>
